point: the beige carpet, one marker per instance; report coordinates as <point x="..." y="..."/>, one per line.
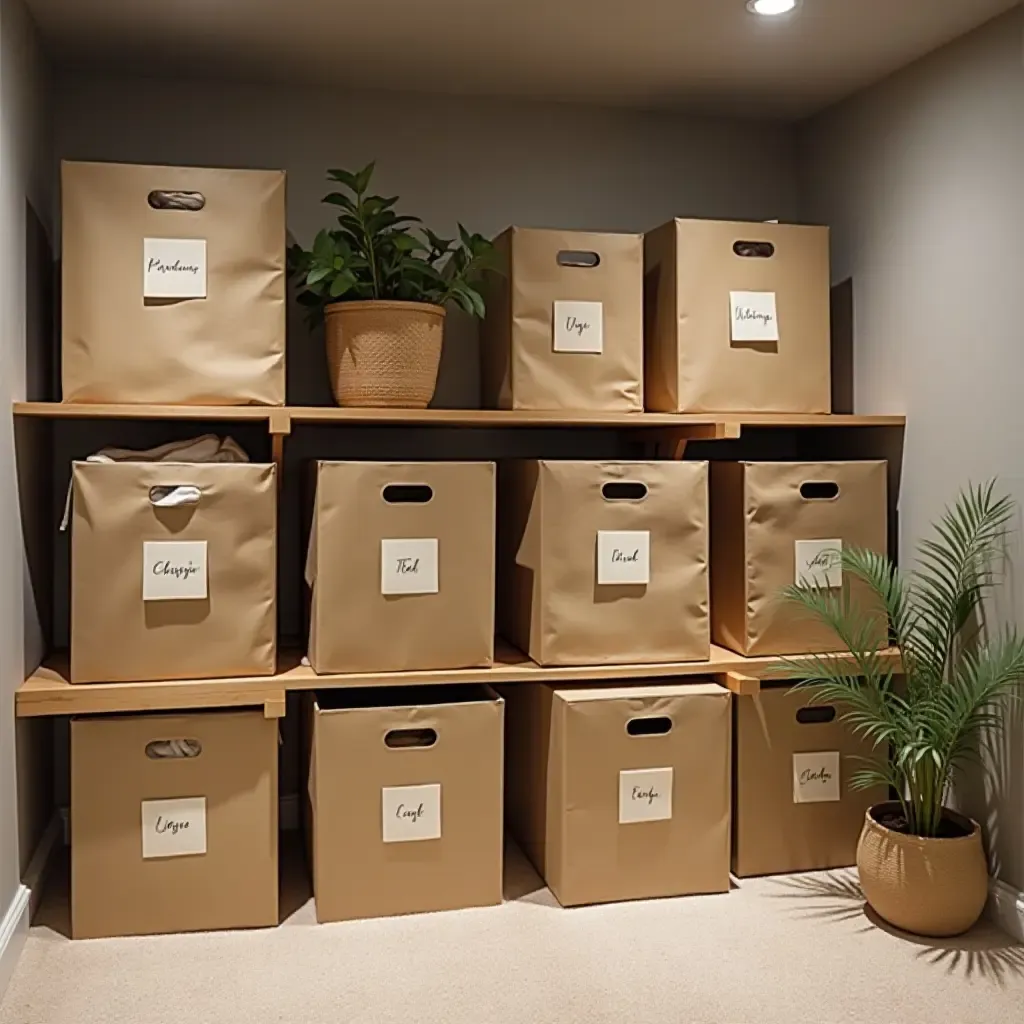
<point x="790" y="950"/>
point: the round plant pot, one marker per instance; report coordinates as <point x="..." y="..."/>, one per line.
<point x="935" y="887"/>
<point x="383" y="353"/>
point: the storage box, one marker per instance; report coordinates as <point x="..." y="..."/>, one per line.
<point x="621" y="793"/>
<point x="793" y="807"/>
<point x="405" y="800"/>
<point x="780" y="523"/>
<point x="173" y="571"/>
<point x="401" y="566"/>
<point x="173" y="823"/>
<point x="604" y="562"/>
<point x="564" y="324"/>
<point x="737" y="317"/>
<point x="173" y="285"/>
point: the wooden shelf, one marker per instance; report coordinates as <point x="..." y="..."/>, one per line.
<point x="47" y="691"/>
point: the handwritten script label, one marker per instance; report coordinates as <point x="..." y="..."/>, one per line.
<point x="174" y="570"/>
<point x="174" y="828"/>
<point x="578" y="327"/>
<point x="623" y="557"/>
<point x="753" y="316"/>
<point x="816" y="778"/>
<point x="645" y="794"/>
<point x="818" y="563"/>
<point x="410" y="813"/>
<point x="408" y="566"/>
<point x="174" y="268"/>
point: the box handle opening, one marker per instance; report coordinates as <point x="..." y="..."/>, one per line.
<point x="816" y="714"/>
<point x="398" y="739"/>
<point x="819" y="490"/>
<point x="173" y="750"/>
<point x="754" y="250"/>
<point x="577" y="258"/>
<point x="174" y="495"/>
<point x="624" y="491"/>
<point x="407" y="494"/>
<point x="657" y="725"/>
<point x="170" y="199"/>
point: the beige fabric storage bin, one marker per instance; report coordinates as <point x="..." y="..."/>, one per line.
<point x="401" y="566"/>
<point x="737" y="318"/>
<point x="567" y="598"/>
<point x="564" y="325"/>
<point x="621" y="793"/>
<point x="174" y="305"/>
<point x="404" y="810"/>
<point x="173" y="823"/>
<point x="165" y="591"/>
<point x="793" y="807"/>
<point x="777" y="523"/>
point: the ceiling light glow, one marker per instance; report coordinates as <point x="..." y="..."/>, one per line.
<point x="771" y="8"/>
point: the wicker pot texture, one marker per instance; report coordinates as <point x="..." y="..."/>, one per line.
<point x="383" y="353"/>
<point x="935" y="887"/>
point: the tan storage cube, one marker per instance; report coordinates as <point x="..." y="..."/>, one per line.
<point x="405" y="800"/>
<point x="621" y="793"/>
<point x="779" y="523"/>
<point x="737" y="318"/>
<point x="173" y="591"/>
<point x="401" y="566"/>
<point x="173" y="285"/>
<point x="794" y="809"/>
<point x="604" y="562"/>
<point x="173" y="823"/>
<point x="564" y="325"/>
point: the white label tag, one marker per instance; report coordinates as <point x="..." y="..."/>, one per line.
<point x="174" y="570"/>
<point x="623" y="556"/>
<point x="174" y="828"/>
<point x="818" y="563"/>
<point x="816" y="778"/>
<point x="408" y="566"/>
<point x="579" y="327"/>
<point x="410" y="813"/>
<point x="753" y="316"/>
<point x="645" y="794"/>
<point x="174" y="268"/>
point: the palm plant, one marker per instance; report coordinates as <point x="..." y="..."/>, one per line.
<point x="954" y="677"/>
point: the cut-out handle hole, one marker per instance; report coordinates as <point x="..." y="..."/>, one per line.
<point x="657" y="725"/>
<point x="817" y="714"/>
<point x="173" y="750"/>
<point x="169" y="199"/>
<point x="174" y="495"/>
<point x="408" y="494"/>
<point x="754" y="250"/>
<point x="398" y="739"/>
<point x="819" y="490"/>
<point x="624" y="491"/>
<point x="577" y="258"/>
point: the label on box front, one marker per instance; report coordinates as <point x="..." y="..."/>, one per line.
<point x="819" y="563"/>
<point x="816" y="778"/>
<point x="410" y="813"/>
<point x="174" y="828"/>
<point x="623" y="556"/>
<point x="408" y="566"/>
<point x="754" y="316"/>
<point x="174" y="570"/>
<point x="578" y="327"/>
<point x="174" y="268"/>
<point x="645" y="794"/>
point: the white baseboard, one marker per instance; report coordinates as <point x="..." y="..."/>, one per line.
<point x="13" y="932"/>
<point x="1006" y="908"/>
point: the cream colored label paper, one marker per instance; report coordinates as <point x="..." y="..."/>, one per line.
<point x="409" y="566"/>
<point x="174" y="828"/>
<point x="623" y="557"/>
<point x="754" y="316"/>
<point x="645" y="794"/>
<point x="174" y="268"/>
<point x="174" y="570"/>
<point x="410" y="813"/>
<point x="579" y="327"/>
<point x="818" y="563"/>
<point x="816" y="778"/>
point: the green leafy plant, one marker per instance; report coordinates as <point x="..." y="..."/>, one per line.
<point x="954" y="678"/>
<point x="376" y="253"/>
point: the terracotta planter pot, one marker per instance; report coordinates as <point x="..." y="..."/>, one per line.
<point x="382" y="353"/>
<point x="934" y="887"/>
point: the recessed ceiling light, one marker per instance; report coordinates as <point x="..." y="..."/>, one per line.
<point x="771" y="8"/>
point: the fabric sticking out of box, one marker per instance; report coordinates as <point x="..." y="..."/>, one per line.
<point x="173" y="285"/>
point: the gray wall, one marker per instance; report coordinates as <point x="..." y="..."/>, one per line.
<point x="922" y="181"/>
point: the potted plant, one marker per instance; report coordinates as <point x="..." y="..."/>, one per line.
<point x="922" y="865"/>
<point x="381" y="290"/>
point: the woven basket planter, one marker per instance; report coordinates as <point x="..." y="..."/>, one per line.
<point x="383" y="353"/>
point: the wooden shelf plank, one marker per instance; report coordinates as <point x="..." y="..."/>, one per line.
<point x="47" y="691"/>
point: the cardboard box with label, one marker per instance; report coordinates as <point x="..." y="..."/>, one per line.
<point x="776" y="524"/>
<point x="564" y="324"/>
<point x="173" y="823"/>
<point x="173" y="285"/>
<point x="604" y="562"/>
<point x="793" y="806"/>
<point x="737" y="317"/>
<point x="404" y="810"/>
<point x="173" y="570"/>
<point x="621" y="793"/>
<point x="401" y="566"/>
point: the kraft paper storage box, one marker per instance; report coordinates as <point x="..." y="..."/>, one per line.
<point x="621" y="793"/>
<point x="604" y="562"/>
<point x="564" y="324"/>
<point x="173" y="284"/>
<point x="401" y="566"/>
<point x="173" y="823"/>
<point x="737" y="317"/>
<point x="173" y="591"/>
<point x="793" y="807"/>
<point x="404" y="809"/>
<point x="780" y="523"/>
